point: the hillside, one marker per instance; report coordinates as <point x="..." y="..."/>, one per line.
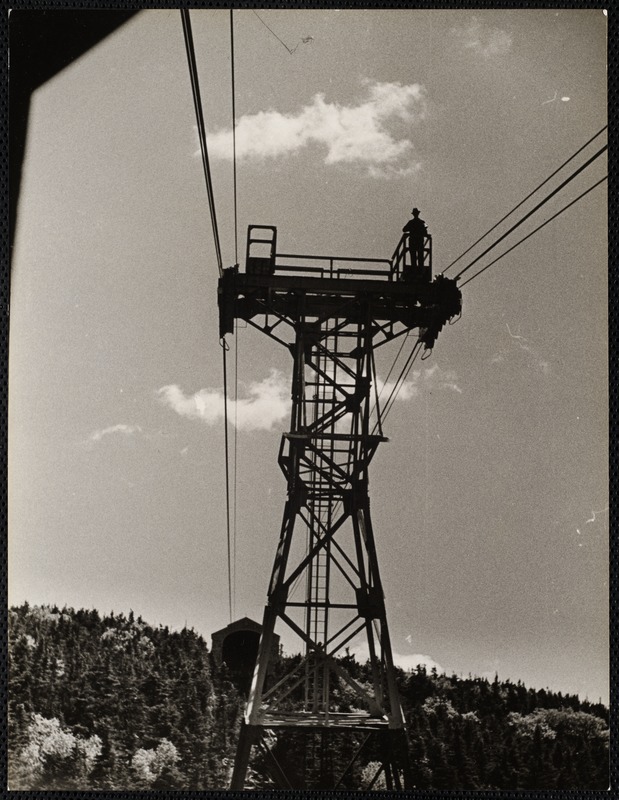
<point x="114" y="703"/>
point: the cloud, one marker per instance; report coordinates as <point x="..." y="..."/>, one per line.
<point x="125" y="430"/>
<point x="361" y="134"/>
<point x="406" y="661"/>
<point x="267" y="404"/>
<point x="432" y="378"/>
<point x="483" y="40"/>
<point x="410" y="661"/>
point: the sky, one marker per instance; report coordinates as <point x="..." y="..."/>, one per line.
<point x="490" y="500"/>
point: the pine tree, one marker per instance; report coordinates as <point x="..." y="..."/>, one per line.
<point x="135" y="686"/>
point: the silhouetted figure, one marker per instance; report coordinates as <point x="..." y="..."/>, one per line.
<point x="417" y="231"/>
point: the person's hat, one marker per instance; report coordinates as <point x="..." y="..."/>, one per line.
<point x="415" y="211"/>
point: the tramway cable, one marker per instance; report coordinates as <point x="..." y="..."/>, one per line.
<point x="412" y="357"/>
<point x="537" y="207"/>
<point x="236" y="226"/>
<point x="197" y="102"/>
<point x="236" y="338"/>
<point x="539" y="227"/>
<point x="523" y="201"/>
<point x="225" y="348"/>
<point x="382" y="389"/>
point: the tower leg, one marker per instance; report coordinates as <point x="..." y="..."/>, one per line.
<point x="398" y="746"/>
<point x="248" y="736"/>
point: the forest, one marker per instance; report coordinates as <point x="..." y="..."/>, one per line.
<point x="113" y="703"/>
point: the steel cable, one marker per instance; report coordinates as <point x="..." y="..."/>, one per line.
<point x="197" y="102"/>
<point x="522" y="202"/>
<point x="224" y="347"/>
<point x="401" y="379"/>
<point x="412" y="356"/>
<point x="537" y="207"/>
<point x="539" y="227"/>
<point x="236" y="338"/>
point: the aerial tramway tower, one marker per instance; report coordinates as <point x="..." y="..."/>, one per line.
<point x="331" y="314"/>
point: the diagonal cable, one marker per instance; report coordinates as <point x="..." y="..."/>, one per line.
<point x="401" y="379"/>
<point x="537" y="207"/>
<point x="410" y="360"/>
<point x="391" y="368"/>
<point x="197" y="102"/>
<point x="236" y="226"/>
<point x="224" y="346"/>
<point x="522" y="202"/>
<point x="539" y="227"/>
<point x="236" y="338"/>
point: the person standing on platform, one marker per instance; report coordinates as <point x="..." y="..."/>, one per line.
<point x="416" y="230"/>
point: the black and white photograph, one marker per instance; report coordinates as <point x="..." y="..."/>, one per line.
<point x="308" y="455"/>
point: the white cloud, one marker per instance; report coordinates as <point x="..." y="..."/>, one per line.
<point x="410" y="661"/>
<point x="206" y="404"/>
<point x="356" y="134"/>
<point x="483" y="40"/>
<point x="125" y="430"/>
<point x="431" y="379"/>
<point x="405" y="661"/>
<point x="267" y="404"/>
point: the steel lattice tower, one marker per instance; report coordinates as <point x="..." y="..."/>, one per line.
<point x="332" y="314"/>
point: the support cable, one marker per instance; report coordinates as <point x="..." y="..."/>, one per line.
<point x="197" y="102"/>
<point x="236" y="338"/>
<point x="537" y="207"/>
<point x="225" y="348"/>
<point x="539" y="227"/>
<point x="401" y="379"/>
<point x="522" y="202"/>
<point x="376" y="392"/>
<point x="382" y="389"/>
<point x="412" y="356"/>
<point x="236" y="236"/>
<point x="235" y="483"/>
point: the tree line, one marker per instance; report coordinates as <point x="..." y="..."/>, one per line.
<point x="112" y="703"/>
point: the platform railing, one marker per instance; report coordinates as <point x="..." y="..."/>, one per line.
<point x="401" y="258"/>
<point x="333" y="266"/>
